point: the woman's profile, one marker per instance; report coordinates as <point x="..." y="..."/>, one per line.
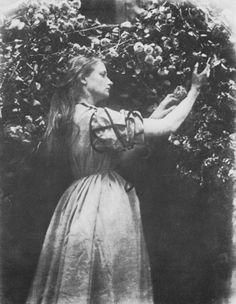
<point x="94" y="250"/>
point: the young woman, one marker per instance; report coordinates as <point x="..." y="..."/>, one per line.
<point x="94" y="251"/>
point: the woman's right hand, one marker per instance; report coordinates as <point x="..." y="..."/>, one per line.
<point x="199" y="79"/>
<point x="165" y="107"/>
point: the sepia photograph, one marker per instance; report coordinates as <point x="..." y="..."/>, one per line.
<point x="117" y="152"/>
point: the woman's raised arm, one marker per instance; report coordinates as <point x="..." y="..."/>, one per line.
<point x="171" y="122"/>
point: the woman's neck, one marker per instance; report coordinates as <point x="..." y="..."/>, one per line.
<point x="88" y="100"/>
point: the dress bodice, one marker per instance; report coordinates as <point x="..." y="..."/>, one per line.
<point x="98" y="134"/>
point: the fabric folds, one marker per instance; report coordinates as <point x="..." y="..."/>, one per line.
<point x="116" y="130"/>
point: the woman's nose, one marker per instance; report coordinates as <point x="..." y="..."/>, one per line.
<point x="110" y="82"/>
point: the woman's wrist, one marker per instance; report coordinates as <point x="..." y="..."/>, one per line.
<point x="195" y="89"/>
<point x="193" y="94"/>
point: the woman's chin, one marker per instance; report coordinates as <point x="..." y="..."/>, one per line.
<point x="105" y="95"/>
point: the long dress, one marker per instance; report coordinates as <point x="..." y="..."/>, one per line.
<point x="94" y="250"/>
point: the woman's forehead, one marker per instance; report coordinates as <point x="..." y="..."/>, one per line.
<point x="100" y="67"/>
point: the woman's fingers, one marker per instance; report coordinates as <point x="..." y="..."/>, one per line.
<point x="171" y="100"/>
<point x="167" y="111"/>
<point x="172" y="95"/>
<point x="206" y="72"/>
<point x="207" y="69"/>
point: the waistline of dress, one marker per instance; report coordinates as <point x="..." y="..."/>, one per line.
<point x="128" y="186"/>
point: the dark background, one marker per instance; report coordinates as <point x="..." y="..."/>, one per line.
<point x="188" y="231"/>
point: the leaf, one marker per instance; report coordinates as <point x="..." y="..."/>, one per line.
<point x="35" y="68"/>
<point x="18" y="78"/>
<point x="38" y="85"/>
<point x="60" y="59"/>
<point x="48" y="48"/>
<point x="36" y="103"/>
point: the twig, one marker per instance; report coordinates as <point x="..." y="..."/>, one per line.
<point x="118" y="44"/>
<point x="97" y="27"/>
<point x="147" y="87"/>
<point x="47" y="54"/>
<point x="124" y="43"/>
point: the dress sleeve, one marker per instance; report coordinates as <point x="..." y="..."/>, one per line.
<point x="113" y="130"/>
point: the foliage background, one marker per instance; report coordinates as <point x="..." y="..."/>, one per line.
<point x="187" y="203"/>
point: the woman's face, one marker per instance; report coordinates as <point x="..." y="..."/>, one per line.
<point x="97" y="84"/>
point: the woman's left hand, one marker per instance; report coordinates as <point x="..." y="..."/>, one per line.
<point x="165" y="107"/>
<point x="199" y="79"/>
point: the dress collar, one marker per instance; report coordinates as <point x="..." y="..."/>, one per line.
<point x="86" y="104"/>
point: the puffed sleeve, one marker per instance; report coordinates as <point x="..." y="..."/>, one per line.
<point x="113" y="130"/>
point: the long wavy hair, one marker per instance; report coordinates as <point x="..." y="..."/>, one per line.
<point x="68" y="94"/>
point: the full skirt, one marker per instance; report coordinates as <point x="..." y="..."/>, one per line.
<point x="94" y="250"/>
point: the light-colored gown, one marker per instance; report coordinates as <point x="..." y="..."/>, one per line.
<point x="94" y="251"/>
